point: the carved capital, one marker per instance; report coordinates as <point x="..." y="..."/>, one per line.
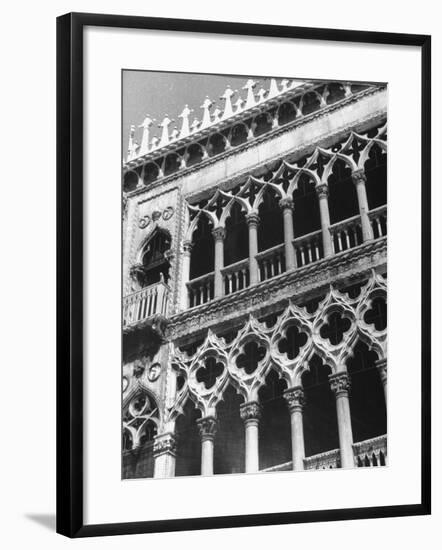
<point x="340" y="383"/>
<point x="381" y="365"/>
<point x="164" y="444"/>
<point x="219" y="233"/>
<point x="252" y="218"/>
<point x="250" y="412"/>
<point x="207" y="427"/>
<point x="322" y="190"/>
<point x="358" y="176"/>
<point x="295" y="399"/>
<point x="187" y="247"/>
<point x="286" y="203"/>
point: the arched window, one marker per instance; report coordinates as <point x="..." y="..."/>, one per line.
<point x="203" y="252"/>
<point x="271" y="225"/>
<point x="306" y="216"/>
<point x="236" y="244"/>
<point x="376" y="173"/>
<point x="343" y="199"/>
<point x="155" y="264"/>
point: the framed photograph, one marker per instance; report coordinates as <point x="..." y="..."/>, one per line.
<point x="243" y="248"/>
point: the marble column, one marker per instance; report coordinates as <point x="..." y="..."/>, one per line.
<point x="381" y="365"/>
<point x="295" y="400"/>
<point x="322" y="192"/>
<point x="164" y="453"/>
<point x="185" y="274"/>
<point x="253" y="221"/>
<point x="207" y="428"/>
<point x="359" y="179"/>
<point x="287" y="212"/>
<point x="250" y="414"/>
<point x="219" y="234"/>
<point x="340" y="385"/>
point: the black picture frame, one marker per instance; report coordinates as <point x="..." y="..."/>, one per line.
<point x="70" y="273"/>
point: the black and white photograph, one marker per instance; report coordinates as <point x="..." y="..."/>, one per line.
<point x="254" y="274"/>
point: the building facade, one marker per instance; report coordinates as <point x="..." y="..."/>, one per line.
<point x="255" y="284"/>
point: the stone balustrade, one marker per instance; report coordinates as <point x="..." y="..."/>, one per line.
<point x="236" y="276"/>
<point x="346" y="234"/>
<point x="149" y="301"/>
<point x="371" y="452"/>
<point x="378" y="219"/>
<point x="271" y="262"/>
<point x="201" y="289"/>
<point x="308" y="248"/>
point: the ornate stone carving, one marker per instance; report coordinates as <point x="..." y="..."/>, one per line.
<point x="166" y="214"/>
<point x="295" y="399"/>
<point x="164" y="443"/>
<point x="154" y="372"/>
<point x="358" y="176"/>
<point x="252" y="218"/>
<point x="187" y="247"/>
<point x="322" y="190"/>
<point x="286" y="202"/>
<point x="207" y="427"/>
<point x="340" y="383"/>
<point x="250" y="412"/>
<point x="219" y="233"/>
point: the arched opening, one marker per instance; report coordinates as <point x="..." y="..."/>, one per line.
<point x="202" y="257"/>
<point x="367" y="401"/>
<point x="306" y="215"/>
<point x="195" y="154"/>
<point x="262" y="124"/>
<point x="286" y="113"/>
<point x="236" y="243"/>
<point x="239" y="135"/>
<point x="336" y="92"/>
<point x="310" y="103"/>
<point x="376" y="173"/>
<point x="150" y="174"/>
<point x="343" y="199"/>
<point x="155" y="265"/>
<point x="130" y="181"/>
<point x="229" y="449"/>
<point x="188" y="457"/>
<point x="271" y="224"/>
<point x="274" y="426"/>
<point x="217" y="145"/>
<point x="172" y="164"/>
<point x="320" y="421"/>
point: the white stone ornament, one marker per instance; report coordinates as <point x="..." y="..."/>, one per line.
<point x="165" y="130"/>
<point x="185" y="128"/>
<point x="227" y="96"/>
<point x="207" y="103"/>
<point x="146" y="124"/>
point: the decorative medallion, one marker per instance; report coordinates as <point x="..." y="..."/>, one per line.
<point x="154" y="372"/>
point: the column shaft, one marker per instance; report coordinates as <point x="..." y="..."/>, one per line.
<point x="207" y="428"/>
<point x="287" y="212"/>
<point x="250" y="413"/>
<point x="340" y="384"/>
<point x="185" y="274"/>
<point x="359" y="180"/>
<point x="322" y="191"/>
<point x="219" y="234"/>
<point x="295" y="400"/>
<point x="253" y="220"/>
<point x="164" y="452"/>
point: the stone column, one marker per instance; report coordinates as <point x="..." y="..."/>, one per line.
<point x="207" y="427"/>
<point x="359" y="179"/>
<point x="295" y="400"/>
<point x="287" y="213"/>
<point x="322" y="192"/>
<point x="340" y="384"/>
<point x="253" y="221"/>
<point x="185" y="274"/>
<point x="251" y="413"/>
<point x="219" y="234"/>
<point x="381" y="365"/>
<point x="164" y="453"/>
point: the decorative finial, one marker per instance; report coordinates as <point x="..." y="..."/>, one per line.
<point x="239" y="105"/>
<point x="217" y="114"/>
<point x="284" y="84"/>
<point x="165" y="133"/>
<point x="206" y="114"/>
<point x="154" y="143"/>
<point x="262" y="95"/>
<point x="146" y="124"/>
<point x="227" y="96"/>
<point x="174" y="134"/>
<point x="185" y="129"/>
<point x="130" y="146"/>
<point x="274" y="91"/>
<point x="250" y="101"/>
<point x="195" y="125"/>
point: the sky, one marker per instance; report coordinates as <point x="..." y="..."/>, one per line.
<point x="161" y="93"/>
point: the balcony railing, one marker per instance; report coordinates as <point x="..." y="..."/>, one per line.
<point x="371" y="452"/>
<point x="271" y="262"/>
<point x="148" y="301"/>
<point x="378" y="219"/>
<point x="346" y="234"/>
<point x="308" y="249"/>
<point x="236" y="276"/>
<point x="201" y="289"/>
<point x="323" y="461"/>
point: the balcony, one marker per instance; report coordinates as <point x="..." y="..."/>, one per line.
<point x="147" y="302"/>
<point x="308" y="249"/>
<point x="368" y="453"/>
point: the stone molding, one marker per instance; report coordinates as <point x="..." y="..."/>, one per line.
<point x="219" y="233"/>
<point x="322" y="190"/>
<point x="286" y="203"/>
<point x="358" y="176"/>
<point x="340" y="383"/>
<point x="295" y="399"/>
<point x="207" y="427"/>
<point x="164" y="444"/>
<point x="252" y="219"/>
<point x="250" y="412"/>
